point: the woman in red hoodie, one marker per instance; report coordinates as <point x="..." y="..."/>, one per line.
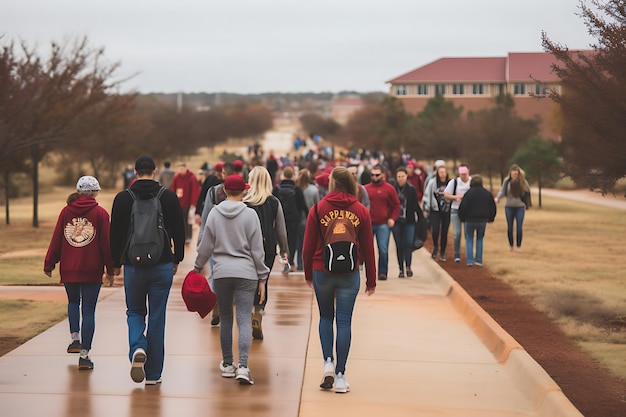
<point x="337" y="291"/>
<point x="80" y="242"/>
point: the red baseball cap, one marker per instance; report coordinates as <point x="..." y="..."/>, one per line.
<point x="218" y="166"/>
<point x="238" y="165"/>
<point x="235" y="183"/>
<point x="197" y="294"/>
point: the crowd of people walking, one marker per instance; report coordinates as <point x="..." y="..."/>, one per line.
<point x="320" y="217"/>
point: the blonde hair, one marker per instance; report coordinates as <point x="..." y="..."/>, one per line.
<point x="260" y="186"/>
<point x="342" y="180"/>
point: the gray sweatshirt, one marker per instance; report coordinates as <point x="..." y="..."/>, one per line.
<point x="232" y="235"/>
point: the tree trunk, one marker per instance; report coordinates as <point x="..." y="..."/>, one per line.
<point x="35" y="158"/>
<point x="7" y="187"/>
<point x="540" y="185"/>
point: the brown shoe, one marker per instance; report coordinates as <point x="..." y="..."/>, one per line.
<point x="257" y="321"/>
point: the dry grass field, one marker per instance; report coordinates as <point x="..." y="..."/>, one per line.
<point x="571" y="266"/>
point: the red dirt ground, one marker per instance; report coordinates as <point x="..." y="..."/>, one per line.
<point x="588" y="385"/>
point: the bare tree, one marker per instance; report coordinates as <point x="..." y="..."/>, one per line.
<point x="44" y="97"/>
<point x="593" y="98"/>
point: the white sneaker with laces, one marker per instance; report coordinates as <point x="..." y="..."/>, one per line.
<point x="328" y="379"/>
<point x="228" y="371"/>
<point x="341" y="385"/>
<point x="244" y="376"/>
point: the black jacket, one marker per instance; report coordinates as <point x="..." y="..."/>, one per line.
<point x="477" y="205"/>
<point x="409" y="195"/>
<point x="172" y="217"/>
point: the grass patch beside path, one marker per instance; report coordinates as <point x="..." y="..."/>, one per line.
<point x="572" y="268"/>
<point x="26" y="271"/>
<point x="21" y="320"/>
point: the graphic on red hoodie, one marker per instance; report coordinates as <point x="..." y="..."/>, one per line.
<point x="80" y="242"/>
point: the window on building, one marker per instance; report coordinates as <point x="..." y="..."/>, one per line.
<point x="458" y="89"/>
<point x="540" y="89"/>
<point x="519" y="89"/>
<point x="440" y="89"/>
<point x="501" y="89"/>
<point x="401" y="90"/>
<point x="478" y="89"/>
<point x="422" y="89"/>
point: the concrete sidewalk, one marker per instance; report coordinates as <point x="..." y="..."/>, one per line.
<point x="420" y="346"/>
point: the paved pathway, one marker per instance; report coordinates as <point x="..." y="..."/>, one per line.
<point x="421" y="346"/>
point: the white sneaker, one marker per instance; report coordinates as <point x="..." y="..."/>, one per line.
<point x="244" y="376"/>
<point x="328" y="379"/>
<point x="228" y="371"/>
<point x="154" y="381"/>
<point x="137" y="372"/>
<point x="341" y="385"/>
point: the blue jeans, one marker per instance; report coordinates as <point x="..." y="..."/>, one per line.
<point x="515" y="214"/>
<point x="88" y="293"/>
<point x="456" y="232"/>
<point x="336" y="291"/>
<point x="403" y="234"/>
<point x="470" y="228"/>
<point x="382" y="232"/>
<point x="153" y="284"/>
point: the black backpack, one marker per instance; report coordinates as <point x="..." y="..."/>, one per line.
<point x="267" y="216"/>
<point x="146" y="233"/>
<point x="339" y="243"/>
<point x="287" y="197"/>
<point x="217" y="194"/>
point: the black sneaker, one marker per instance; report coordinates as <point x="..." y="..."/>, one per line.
<point x="74" y="347"/>
<point x="215" y="320"/>
<point x="401" y="275"/>
<point x="409" y="273"/>
<point x="85" y="364"/>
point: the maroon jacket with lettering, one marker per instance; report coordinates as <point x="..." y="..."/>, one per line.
<point x="80" y="242"/>
<point x="333" y="204"/>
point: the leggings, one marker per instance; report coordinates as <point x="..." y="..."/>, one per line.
<point x="238" y="291"/>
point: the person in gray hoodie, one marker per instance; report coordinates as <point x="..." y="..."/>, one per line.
<point x="233" y="237"/>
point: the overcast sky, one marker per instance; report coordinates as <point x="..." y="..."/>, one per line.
<point x="289" y="45"/>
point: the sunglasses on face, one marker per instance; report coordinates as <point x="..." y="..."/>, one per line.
<point x="376" y="175"/>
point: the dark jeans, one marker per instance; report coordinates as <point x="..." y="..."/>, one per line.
<point x="440" y="223"/>
<point x="88" y="293"/>
<point x="336" y="292"/>
<point x="150" y="284"/>
<point x="300" y="245"/>
<point x="403" y="234"/>
<point x="515" y="214"/>
<point x="292" y="240"/>
<point x="188" y="226"/>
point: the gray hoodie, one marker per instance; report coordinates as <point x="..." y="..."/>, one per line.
<point x="232" y="235"/>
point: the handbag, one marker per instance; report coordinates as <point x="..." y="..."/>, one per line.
<point x="525" y="197"/>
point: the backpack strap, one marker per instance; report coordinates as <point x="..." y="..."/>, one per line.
<point x="456" y="181"/>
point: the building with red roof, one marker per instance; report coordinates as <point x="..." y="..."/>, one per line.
<point x="474" y="83"/>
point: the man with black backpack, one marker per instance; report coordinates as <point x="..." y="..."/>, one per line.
<point x="145" y="220"/>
